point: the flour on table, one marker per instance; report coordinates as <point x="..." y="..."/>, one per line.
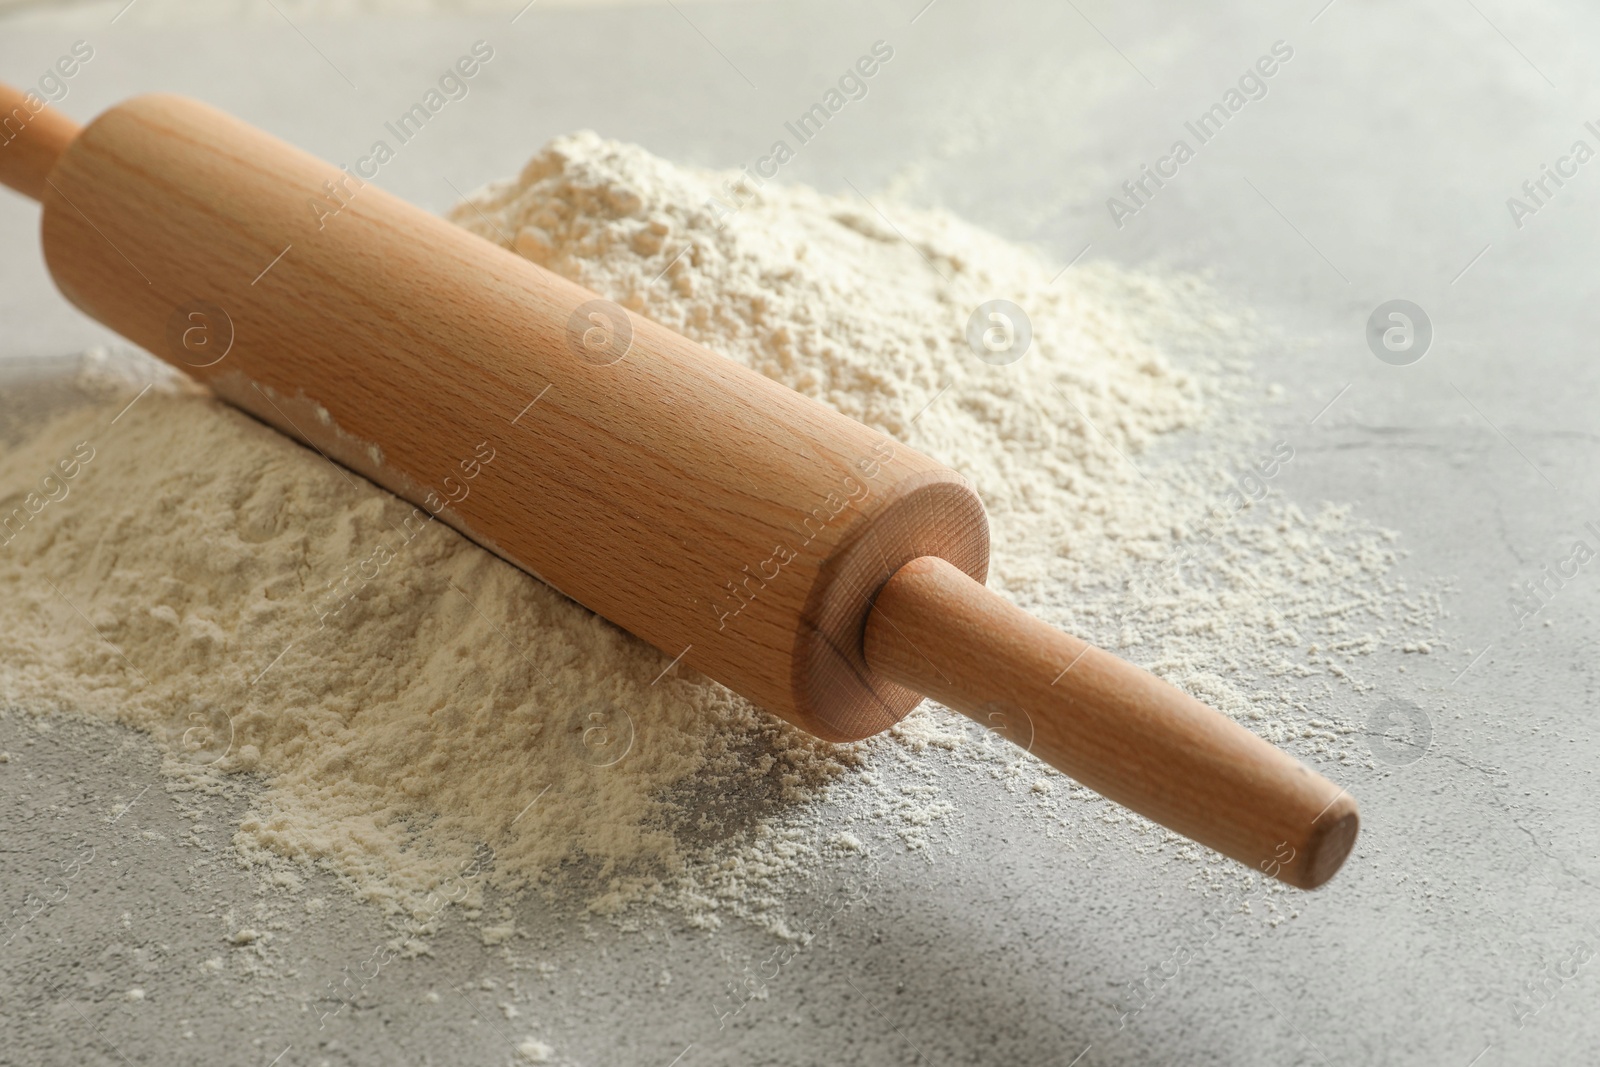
<point x="207" y="580"/>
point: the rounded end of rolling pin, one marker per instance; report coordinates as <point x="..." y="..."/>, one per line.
<point x="1117" y="729"/>
<point x="1332" y="838"/>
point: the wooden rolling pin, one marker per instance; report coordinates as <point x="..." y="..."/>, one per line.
<point x="828" y="573"/>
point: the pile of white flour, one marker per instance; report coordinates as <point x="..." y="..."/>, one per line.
<point x="176" y="581"/>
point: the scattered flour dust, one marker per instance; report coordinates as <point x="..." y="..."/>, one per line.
<point x="204" y="579"/>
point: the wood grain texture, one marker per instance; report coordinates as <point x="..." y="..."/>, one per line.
<point x="32" y="138"/>
<point x="695" y="503"/>
<point x="1119" y="730"/>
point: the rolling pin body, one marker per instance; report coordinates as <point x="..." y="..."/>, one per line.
<point x="694" y="502"/>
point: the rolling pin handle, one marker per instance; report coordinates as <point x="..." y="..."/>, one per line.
<point x="32" y="137"/>
<point x="1118" y="729"/>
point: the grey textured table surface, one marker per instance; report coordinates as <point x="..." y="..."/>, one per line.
<point x="1378" y="167"/>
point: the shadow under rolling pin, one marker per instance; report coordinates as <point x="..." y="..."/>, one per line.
<point x="824" y="571"/>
